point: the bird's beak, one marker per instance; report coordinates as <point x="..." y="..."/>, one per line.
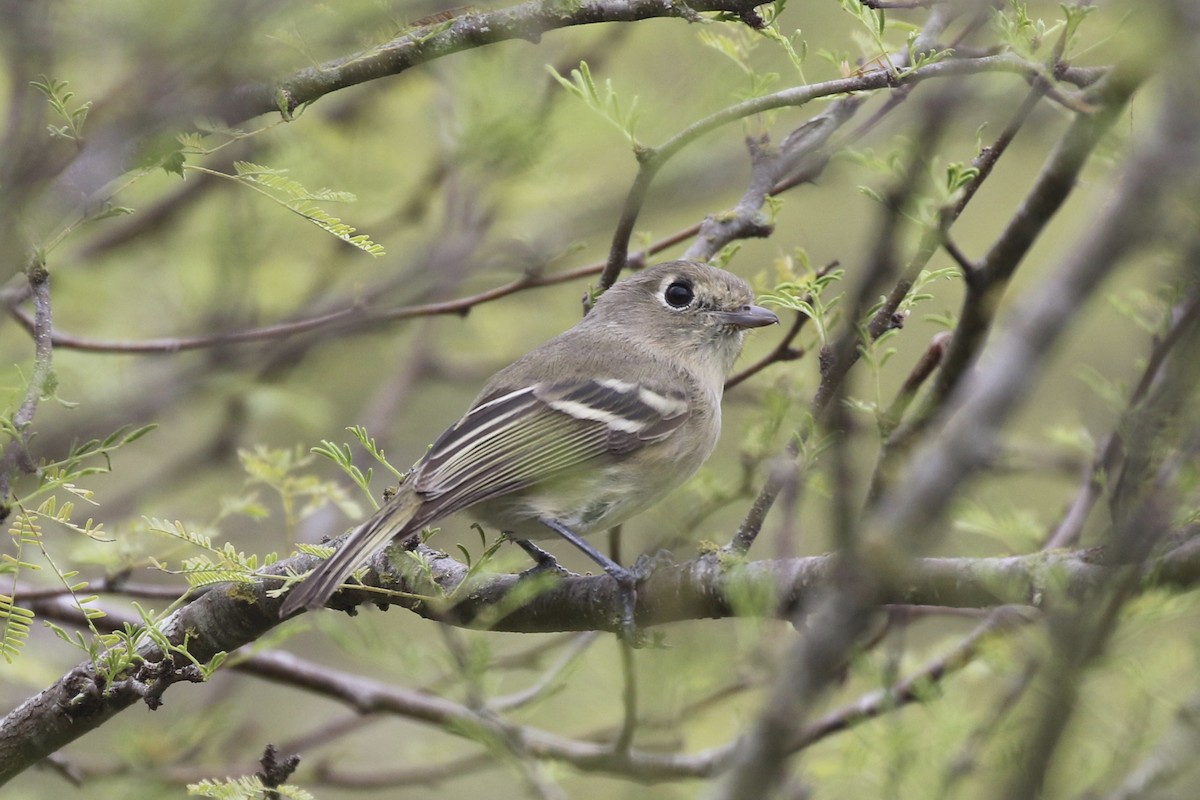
<point x="748" y="317"/>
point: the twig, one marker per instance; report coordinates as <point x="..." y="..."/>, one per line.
<point x="782" y="351"/>
<point x="357" y="316"/>
<point x="921" y="371"/>
<point x="1091" y="487"/>
<point x="769" y="168"/>
<point x="994" y="270"/>
<point x="914" y="688"/>
<point x="547" y="681"/>
<point x="652" y="159"/>
<point x="40" y="382"/>
<point x="838" y="358"/>
<point x="898" y="4"/>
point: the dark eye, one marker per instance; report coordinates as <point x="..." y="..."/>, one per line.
<point x="679" y="295"/>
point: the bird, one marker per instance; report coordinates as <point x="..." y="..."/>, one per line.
<point x="581" y="433"/>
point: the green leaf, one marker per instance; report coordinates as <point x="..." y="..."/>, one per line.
<point x="14" y="627"/>
<point x="245" y="787"/>
<point x="607" y="104"/>
<point x="294" y="196"/>
<point x="59" y="98"/>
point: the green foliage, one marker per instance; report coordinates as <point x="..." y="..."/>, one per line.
<point x="606" y="104"/>
<point x="806" y="293"/>
<point x="295" y="197"/>
<point x="59" y="97"/>
<point x="916" y="59"/>
<point x="736" y="42"/>
<point x="874" y="49"/>
<point x="523" y="592"/>
<point x="873" y="20"/>
<point x="1149" y="311"/>
<point x="114" y="654"/>
<point x="456" y="182"/>
<point x="223" y="564"/>
<point x="16" y="620"/>
<point x="344" y="458"/>
<point x="1113" y="392"/>
<point x="1073" y="16"/>
<point x="749" y="597"/>
<point x="919" y="294"/>
<point x="958" y="177"/>
<point x="246" y="787"/>
<point x="301" y="493"/>
<point x="725" y="257"/>
<point x="1024" y="33"/>
<point x="368" y="443"/>
<point x="1018" y="529"/>
<point x="949" y="180"/>
<point x="93" y="457"/>
<point x="14" y="627"/>
<point x="795" y="47"/>
<point x="762" y="437"/>
<point x="891" y="163"/>
<point x="475" y="567"/>
<point x="876" y="353"/>
<point x="84" y="460"/>
<point x="151" y="630"/>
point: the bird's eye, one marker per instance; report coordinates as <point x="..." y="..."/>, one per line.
<point x="679" y="295"/>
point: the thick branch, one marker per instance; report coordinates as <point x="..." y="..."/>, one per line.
<point x="230" y="616"/>
<point x="461" y="31"/>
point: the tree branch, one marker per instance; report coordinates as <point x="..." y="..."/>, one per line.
<point x="230" y="616"/>
<point x="462" y="30"/>
<point x="41" y="382"/>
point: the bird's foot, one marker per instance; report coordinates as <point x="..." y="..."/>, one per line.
<point x="543" y="561"/>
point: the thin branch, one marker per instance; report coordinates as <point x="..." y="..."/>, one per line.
<point x="547" y="682"/>
<point x="838" y="358"/>
<point x="899" y="4"/>
<point x="651" y="160"/>
<point x="914" y="688"/>
<point x="769" y="168"/>
<point x="40" y="383"/>
<point x="1035" y="213"/>
<point x="921" y="371"/>
<point x="358" y="315"/>
<point x="906" y="519"/>
<point x="1091" y="487"/>
<point x="629" y="700"/>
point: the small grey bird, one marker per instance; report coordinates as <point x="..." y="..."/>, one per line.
<point x="581" y="433"/>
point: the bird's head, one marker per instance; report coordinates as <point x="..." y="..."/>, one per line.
<point x="691" y="310"/>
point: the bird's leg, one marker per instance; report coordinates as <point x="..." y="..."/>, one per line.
<point x="627" y="581"/>
<point x="543" y="561"/>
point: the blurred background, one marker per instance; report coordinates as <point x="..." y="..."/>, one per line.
<point x="471" y="171"/>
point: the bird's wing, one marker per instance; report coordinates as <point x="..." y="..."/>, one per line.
<point x="515" y="439"/>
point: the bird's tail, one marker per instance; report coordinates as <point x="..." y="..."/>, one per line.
<point x="394" y="519"/>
